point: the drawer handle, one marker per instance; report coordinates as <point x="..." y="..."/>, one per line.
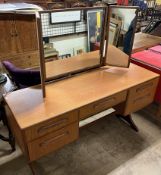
<point x="144" y="87"/>
<point x="104" y="103"/>
<point x="44" y="128"/>
<point x="140" y="98"/>
<point x="49" y="141"/>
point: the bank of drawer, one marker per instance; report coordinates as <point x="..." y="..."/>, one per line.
<point x="53" y="141"/>
<point x="51" y="125"/>
<point x="101" y="105"/>
<point x="140" y="96"/>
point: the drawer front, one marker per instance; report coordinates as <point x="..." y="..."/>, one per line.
<point x="51" y="125"/>
<point x="140" y="96"/>
<point x="101" y="105"/>
<point x="26" y="60"/>
<point x="53" y="141"/>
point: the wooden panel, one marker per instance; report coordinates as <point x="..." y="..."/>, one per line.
<point x="8" y="41"/>
<point x="33" y="60"/>
<point x="26" y="60"/>
<point x="27" y="32"/>
<point x="101" y="105"/>
<point x="53" y="141"/>
<point x="140" y="96"/>
<point x="51" y="125"/>
<point x="143" y="41"/>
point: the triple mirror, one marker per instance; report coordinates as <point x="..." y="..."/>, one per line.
<point x="75" y="40"/>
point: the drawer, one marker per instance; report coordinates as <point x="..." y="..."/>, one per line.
<point x="140" y="96"/>
<point x="26" y="60"/>
<point x="143" y="88"/>
<point x="53" y="141"/>
<point x="101" y="105"/>
<point x="51" y="125"/>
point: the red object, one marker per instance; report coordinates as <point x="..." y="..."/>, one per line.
<point x="156" y="48"/>
<point x="122" y="2"/>
<point x="151" y="61"/>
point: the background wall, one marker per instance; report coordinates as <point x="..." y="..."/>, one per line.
<point x="70" y="44"/>
<point x="126" y="14"/>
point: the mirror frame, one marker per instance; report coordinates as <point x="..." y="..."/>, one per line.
<point x="44" y="79"/>
<point x="107" y="32"/>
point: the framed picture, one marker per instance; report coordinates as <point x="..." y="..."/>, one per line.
<point x="79" y="50"/>
<point x="94" y="27"/>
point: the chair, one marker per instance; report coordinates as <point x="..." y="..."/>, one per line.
<point x="22" y="77"/>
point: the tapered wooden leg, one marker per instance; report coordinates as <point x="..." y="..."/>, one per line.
<point x="10" y="139"/>
<point x="128" y="119"/>
<point x="32" y="167"/>
<point x="158" y="114"/>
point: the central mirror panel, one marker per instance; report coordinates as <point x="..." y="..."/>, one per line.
<point x="71" y="40"/>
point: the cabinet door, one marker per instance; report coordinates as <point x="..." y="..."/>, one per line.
<point x="27" y="32"/>
<point x="8" y="44"/>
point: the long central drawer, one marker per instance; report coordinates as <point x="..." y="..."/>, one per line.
<point x="101" y="105"/>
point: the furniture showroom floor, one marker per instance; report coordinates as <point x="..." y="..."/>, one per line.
<point x="104" y="147"/>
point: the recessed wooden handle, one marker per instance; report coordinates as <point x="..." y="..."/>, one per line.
<point x="104" y="103"/>
<point x="142" y="88"/>
<point x="140" y="98"/>
<point x="49" y="141"/>
<point x="54" y="124"/>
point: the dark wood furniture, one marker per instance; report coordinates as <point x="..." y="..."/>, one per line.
<point x="5" y="88"/>
<point x="19" y="43"/>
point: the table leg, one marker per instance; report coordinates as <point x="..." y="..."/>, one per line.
<point x="128" y="119"/>
<point x="158" y="114"/>
<point x="32" y="167"/>
<point x="10" y="139"/>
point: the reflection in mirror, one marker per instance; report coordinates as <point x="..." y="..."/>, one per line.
<point x="72" y="40"/>
<point x="121" y="32"/>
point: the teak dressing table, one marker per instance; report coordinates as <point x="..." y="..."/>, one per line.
<point x="42" y="125"/>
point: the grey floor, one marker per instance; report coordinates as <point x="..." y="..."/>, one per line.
<point x="103" y="146"/>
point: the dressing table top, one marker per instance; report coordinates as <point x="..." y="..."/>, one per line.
<point x="72" y="93"/>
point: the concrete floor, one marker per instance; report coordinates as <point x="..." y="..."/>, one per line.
<point x="103" y="146"/>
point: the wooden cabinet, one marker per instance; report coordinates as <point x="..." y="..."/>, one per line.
<point x="18" y="39"/>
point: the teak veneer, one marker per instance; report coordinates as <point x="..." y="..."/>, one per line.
<point x="144" y="41"/>
<point x="42" y="125"/>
